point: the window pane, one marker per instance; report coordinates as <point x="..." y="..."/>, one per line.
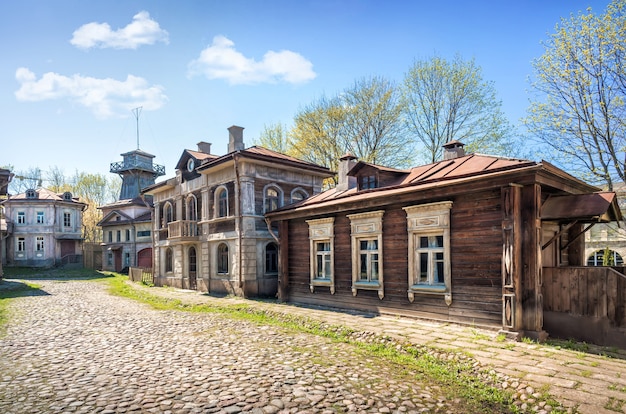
<point x="423" y="270"/>
<point x="327" y="266"/>
<point x="363" y="274"/>
<point x="423" y="242"/>
<point x="439" y="241"/>
<point x="374" y="258"/>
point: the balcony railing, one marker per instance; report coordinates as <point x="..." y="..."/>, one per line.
<point x="183" y="229"/>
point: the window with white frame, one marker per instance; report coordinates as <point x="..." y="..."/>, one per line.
<point x="321" y="248"/>
<point x="110" y="236"/>
<point x="21" y="244"/>
<point x="67" y="219"/>
<point x="39" y="244"/>
<point x="118" y="236"/>
<point x="192" y="208"/>
<point x="21" y="217"/>
<point x="40" y="217"/>
<point x="127" y="259"/>
<point x="110" y="259"/>
<point x="367" y="249"/>
<point x="429" y="249"/>
<point x="128" y="235"/>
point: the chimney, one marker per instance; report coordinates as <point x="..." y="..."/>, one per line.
<point x="453" y="149"/>
<point x="346" y="163"/>
<point x="235" y="139"/>
<point x="204" y="147"/>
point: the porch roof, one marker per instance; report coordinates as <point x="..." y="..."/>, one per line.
<point x="600" y="207"/>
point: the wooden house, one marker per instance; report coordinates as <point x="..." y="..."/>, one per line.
<point x="465" y="239"/>
<point x="209" y="228"/>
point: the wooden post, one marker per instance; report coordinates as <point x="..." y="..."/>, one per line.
<point x="511" y="260"/>
<point x="283" y="261"/>
<point x="531" y="277"/>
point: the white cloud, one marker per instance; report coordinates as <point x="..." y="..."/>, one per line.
<point x="221" y="60"/>
<point x="142" y="31"/>
<point x="104" y="97"/>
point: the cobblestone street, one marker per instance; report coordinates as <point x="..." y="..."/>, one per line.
<point x="75" y="348"/>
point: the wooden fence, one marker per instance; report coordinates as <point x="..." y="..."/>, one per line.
<point x="141" y="275"/>
<point x="585" y="303"/>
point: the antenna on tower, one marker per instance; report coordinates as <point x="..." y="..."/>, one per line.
<point x="136" y="112"/>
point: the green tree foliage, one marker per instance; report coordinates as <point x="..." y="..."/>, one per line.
<point x="364" y="120"/>
<point x="449" y="100"/>
<point x="580" y="83"/>
<point x="274" y="137"/>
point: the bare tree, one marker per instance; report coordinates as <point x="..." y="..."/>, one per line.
<point x="449" y="100"/>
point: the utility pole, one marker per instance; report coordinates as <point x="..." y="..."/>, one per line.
<point x="137" y="112"/>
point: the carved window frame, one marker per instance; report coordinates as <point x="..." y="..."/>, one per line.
<point x="321" y="231"/>
<point x="365" y="227"/>
<point x="431" y="219"/>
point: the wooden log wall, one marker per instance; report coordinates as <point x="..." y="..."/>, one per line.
<point x="476" y="249"/>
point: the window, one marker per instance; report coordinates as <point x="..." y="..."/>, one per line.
<point x="298" y="194"/>
<point x="272" y="198"/>
<point x="21" y="244"/>
<point x="367" y="245"/>
<point x="40" y="218"/>
<point x="192" y="210"/>
<point x="222" y="258"/>
<point x="605" y="257"/>
<point x="67" y="219"/>
<point x="321" y="257"/>
<point x="143" y="233"/>
<point x="39" y="244"/>
<point x="169" y="260"/>
<point x="271" y="258"/>
<point x="127" y="259"/>
<point x="110" y="236"/>
<point x="30" y="193"/>
<point x="110" y="259"/>
<point x="67" y="196"/>
<point x="368" y="181"/>
<point x="168" y="214"/>
<point x="429" y="250"/>
<point x="222" y="202"/>
<point x="21" y="217"/>
<point x="368" y="260"/>
<point x="127" y="234"/>
<point x="118" y="234"/>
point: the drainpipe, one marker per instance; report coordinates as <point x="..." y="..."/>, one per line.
<point x="238" y="223"/>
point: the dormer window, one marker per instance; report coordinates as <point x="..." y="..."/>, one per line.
<point x="30" y="193"/>
<point x="191" y="164"/>
<point x="67" y="196"/>
<point x="367" y="182"/>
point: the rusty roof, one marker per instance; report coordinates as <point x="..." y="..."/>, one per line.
<point x="425" y="177"/>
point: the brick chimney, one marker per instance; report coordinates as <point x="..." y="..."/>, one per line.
<point x="345" y="181"/>
<point x="453" y="149"/>
<point x="235" y="139"/>
<point x="204" y="147"/>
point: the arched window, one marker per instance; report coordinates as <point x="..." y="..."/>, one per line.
<point x="192" y="259"/>
<point x="298" y="194"/>
<point x="168" y="214"/>
<point x="67" y="196"/>
<point x="192" y="208"/>
<point x="221" y="202"/>
<point x="169" y="260"/>
<point x="606" y="257"/>
<point x="30" y="193"/>
<point x="272" y="198"/>
<point x="271" y="258"/>
<point x="222" y="258"/>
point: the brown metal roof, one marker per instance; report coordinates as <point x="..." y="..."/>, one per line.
<point x="594" y="207"/>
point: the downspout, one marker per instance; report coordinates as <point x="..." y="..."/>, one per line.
<point x="238" y="223"/>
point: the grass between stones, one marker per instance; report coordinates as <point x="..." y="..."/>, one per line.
<point x="456" y="376"/>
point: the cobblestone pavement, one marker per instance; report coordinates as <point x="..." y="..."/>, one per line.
<point x="591" y="381"/>
<point x="74" y="348"/>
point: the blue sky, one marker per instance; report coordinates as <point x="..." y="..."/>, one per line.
<point x="72" y="71"/>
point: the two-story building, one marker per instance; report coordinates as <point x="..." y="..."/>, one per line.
<point x="127" y="223"/>
<point x="209" y="224"/>
<point x="44" y="228"/>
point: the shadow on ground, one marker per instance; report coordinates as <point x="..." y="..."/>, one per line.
<point x="19" y="288"/>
